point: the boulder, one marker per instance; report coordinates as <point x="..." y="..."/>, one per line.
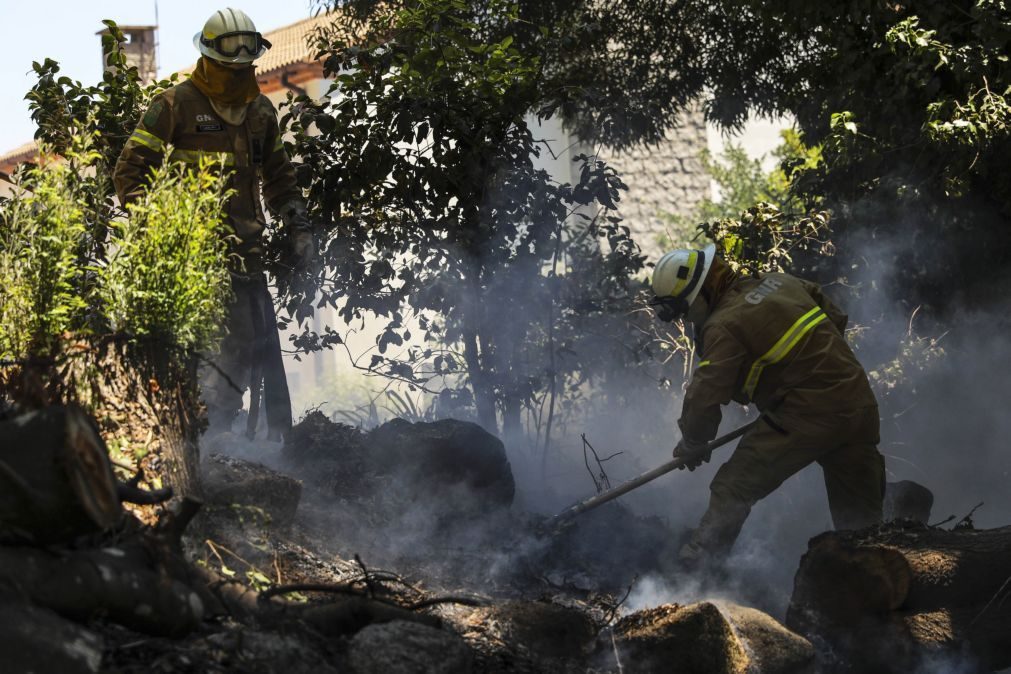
<point x="429" y="464"/>
<point x="401" y="647"/>
<point x="542" y="629"/>
<point x="444" y="454"/>
<point x="228" y="480"/>
<point x="771" y="648"/>
<point x="705" y="638"/>
<point x="908" y="500"/>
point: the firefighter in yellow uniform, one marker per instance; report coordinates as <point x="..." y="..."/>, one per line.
<point x="220" y="112"/>
<point x="776" y="342"/>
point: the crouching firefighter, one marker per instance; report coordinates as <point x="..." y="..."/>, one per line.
<point x="220" y="112"/>
<point x="776" y="342"/>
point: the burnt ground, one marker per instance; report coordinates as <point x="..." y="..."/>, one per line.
<point x="516" y="599"/>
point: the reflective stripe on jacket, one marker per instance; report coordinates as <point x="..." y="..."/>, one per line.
<point x="183" y="118"/>
<point x="772" y="338"/>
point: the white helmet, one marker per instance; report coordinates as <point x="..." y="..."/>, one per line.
<point x="230" y="36"/>
<point x="679" y="276"/>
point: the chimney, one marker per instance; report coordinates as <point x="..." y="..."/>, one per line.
<point x="140" y="50"/>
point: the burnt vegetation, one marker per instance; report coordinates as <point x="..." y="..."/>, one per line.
<point x="514" y="305"/>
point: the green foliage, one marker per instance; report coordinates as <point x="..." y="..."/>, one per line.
<point x="111" y="108"/>
<point x="757" y="219"/>
<point x="108" y="112"/>
<point x="422" y="163"/>
<point x="166" y="276"/>
<point x="764" y="239"/>
<point x="40" y="256"/>
<point x="741" y="183"/>
<point x="908" y="102"/>
<point x="69" y="259"/>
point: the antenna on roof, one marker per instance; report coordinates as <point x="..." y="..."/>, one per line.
<point x="157" y="39"/>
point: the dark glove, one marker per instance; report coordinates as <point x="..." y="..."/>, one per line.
<point x="303" y="243"/>
<point x="693" y="454"/>
<point x="303" y="246"/>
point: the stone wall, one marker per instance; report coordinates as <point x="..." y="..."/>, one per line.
<point x="663" y="178"/>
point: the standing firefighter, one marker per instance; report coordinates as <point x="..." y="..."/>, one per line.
<point x="777" y="342"/>
<point x="220" y="112"/>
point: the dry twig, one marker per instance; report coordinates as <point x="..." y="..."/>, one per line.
<point x="600" y="480"/>
<point x="365" y="576"/>
<point x="613" y="613"/>
<point x="966" y="522"/>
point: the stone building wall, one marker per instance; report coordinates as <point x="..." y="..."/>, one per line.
<point x="662" y="179"/>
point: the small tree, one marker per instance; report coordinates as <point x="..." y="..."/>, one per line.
<point x="107" y="113"/>
<point x="422" y="167"/>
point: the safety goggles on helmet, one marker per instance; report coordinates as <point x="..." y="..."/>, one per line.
<point x="669" y="309"/>
<point x="231" y="44"/>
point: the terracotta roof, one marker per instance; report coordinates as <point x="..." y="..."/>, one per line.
<point x="20" y="154"/>
<point x="289" y="45"/>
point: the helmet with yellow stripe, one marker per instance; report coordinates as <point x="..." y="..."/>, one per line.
<point x="678" y="278"/>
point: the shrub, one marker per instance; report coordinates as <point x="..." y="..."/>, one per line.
<point x="166" y="276"/>
<point x="160" y="273"/>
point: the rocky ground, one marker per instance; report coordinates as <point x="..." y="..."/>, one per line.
<point x="395" y="550"/>
<point x="418" y="518"/>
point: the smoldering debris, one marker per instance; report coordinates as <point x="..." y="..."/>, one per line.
<point x="436" y="497"/>
<point x="453" y="580"/>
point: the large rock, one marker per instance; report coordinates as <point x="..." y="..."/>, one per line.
<point x="411" y="464"/>
<point x="908" y="500"/>
<point x="232" y="481"/>
<point x="447" y="453"/>
<point x="401" y="647"/>
<point x="557" y="637"/>
<point x="706" y="639"/>
<point x="771" y="647"/>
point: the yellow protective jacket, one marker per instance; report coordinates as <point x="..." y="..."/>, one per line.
<point x="182" y="117"/>
<point x="769" y="340"/>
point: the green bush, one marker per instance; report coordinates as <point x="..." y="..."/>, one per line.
<point x="161" y="273"/>
<point x="41" y="271"/>
<point x="166" y="276"/>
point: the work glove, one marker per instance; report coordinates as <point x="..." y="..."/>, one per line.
<point x="303" y="246"/>
<point x="693" y="454"/>
<point x="303" y="243"/>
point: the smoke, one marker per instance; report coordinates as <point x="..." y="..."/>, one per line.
<point x="941" y="390"/>
<point x="953" y="663"/>
<point x="941" y="386"/>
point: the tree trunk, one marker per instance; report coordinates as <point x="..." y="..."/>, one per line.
<point x="484" y="396"/>
<point x="894" y="598"/>
<point x="144" y="398"/>
<point x="512" y="424"/>
<point x="116" y="582"/>
<point x="56" y="482"/>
